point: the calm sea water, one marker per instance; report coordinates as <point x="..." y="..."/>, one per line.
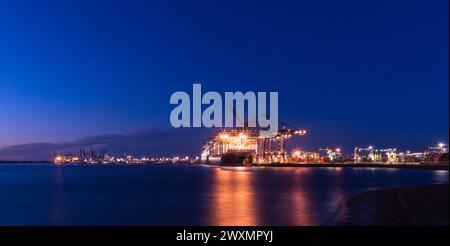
<point x="45" y="194"/>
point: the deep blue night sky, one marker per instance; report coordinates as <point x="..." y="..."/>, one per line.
<point x="351" y="72"/>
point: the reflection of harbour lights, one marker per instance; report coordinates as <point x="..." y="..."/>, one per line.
<point x="233" y="196"/>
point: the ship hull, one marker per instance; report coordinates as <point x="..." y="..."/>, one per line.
<point x="237" y="159"/>
<point x="234" y="159"/>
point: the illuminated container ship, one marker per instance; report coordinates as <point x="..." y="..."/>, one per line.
<point x="245" y="146"/>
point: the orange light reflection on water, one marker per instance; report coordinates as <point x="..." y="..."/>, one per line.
<point x="299" y="201"/>
<point x="233" y="198"/>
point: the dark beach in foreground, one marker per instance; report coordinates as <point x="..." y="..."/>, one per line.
<point x="426" y="205"/>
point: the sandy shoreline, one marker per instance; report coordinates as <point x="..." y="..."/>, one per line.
<point x="426" y="205"/>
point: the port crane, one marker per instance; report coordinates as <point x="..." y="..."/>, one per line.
<point x="248" y="139"/>
<point x="274" y="146"/>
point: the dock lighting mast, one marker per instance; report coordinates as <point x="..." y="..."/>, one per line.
<point x="357" y="153"/>
<point x="442" y="147"/>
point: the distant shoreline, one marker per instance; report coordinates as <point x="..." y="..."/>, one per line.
<point x="332" y="165"/>
<point x="17" y="162"/>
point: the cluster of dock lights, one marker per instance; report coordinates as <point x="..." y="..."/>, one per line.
<point x="226" y="136"/>
<point x="299" y="152"/>
<point x="300" y="132"/>
<point x="233" y="141"/>
<point x="61" y="159"/>
<point x="391" y="153"/>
